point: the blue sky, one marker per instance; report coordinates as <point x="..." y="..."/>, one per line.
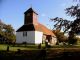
<point x="12" y="11"/>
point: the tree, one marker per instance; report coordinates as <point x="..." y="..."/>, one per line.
<point x="61" y="23"/>
<point x="74" y="26"/>
<point x="7" y="32"/>
<point x="73" y="40"/>
<point x="60" y="36"/>
<point x="76" y="0"/>
<point x="74" y="11"/>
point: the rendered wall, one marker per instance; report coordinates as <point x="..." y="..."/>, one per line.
<point x="38" y="37"/>
<point x="30" y="38"/>
<point x="33" y="37"/>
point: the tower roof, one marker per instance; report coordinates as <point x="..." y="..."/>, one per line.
<point x="30" y="10"/>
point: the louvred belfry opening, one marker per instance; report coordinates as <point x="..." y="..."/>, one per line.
<point x="30" y="17"/>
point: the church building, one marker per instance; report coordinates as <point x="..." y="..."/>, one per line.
<point x="33" y="32"/>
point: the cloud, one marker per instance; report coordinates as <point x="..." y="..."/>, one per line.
<point x="43" y="15"/>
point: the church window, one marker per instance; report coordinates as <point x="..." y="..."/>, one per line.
<point x="24" y="33"/>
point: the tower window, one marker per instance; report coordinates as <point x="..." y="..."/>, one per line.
<point x="24" y="33"/>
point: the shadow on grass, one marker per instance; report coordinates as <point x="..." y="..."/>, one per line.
<point x="39" y="55"/>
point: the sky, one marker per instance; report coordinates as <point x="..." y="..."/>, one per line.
<point x="12" y="11"/>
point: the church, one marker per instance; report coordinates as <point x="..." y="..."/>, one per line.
<point x="33" y="32"/>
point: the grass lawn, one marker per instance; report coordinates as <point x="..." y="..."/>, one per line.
<point x="35" y="47"/>
<point x="11" y="48"/>
<point x="21" y="47"/>
<point x="31" y="52"/>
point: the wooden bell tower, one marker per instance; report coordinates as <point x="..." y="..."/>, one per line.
<point x="30" y="17"/>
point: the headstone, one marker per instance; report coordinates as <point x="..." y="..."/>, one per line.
<point x="7" y="48"/>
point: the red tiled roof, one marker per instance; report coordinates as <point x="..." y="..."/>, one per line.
<point x="38" y="27"/>
<point x="45" y="30"/>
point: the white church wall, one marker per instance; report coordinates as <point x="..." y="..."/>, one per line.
<point x="38" y="37"/>
<point x="30" y="38"/>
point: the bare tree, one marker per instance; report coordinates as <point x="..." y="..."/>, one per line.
<point x="61" y="23"/>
